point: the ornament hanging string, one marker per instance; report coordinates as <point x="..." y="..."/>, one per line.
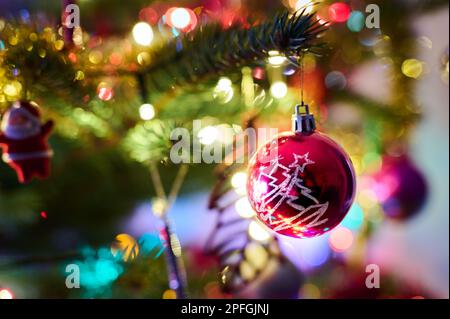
<point x="302" y="77"/>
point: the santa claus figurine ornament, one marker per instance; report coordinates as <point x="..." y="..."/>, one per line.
<point x="301" y="184"/>
<point x="24" y="141"/>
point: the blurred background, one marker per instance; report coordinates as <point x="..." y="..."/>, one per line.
<point x="117" y="85"/>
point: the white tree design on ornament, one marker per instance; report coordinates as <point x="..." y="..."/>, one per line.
<point x="276" y="193"/>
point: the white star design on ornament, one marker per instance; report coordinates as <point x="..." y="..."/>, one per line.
<point x="301" y="161"/>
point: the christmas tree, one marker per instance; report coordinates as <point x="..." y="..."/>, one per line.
<point x="95" y="203"/>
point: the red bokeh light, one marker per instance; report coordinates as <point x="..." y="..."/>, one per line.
<point x="339" y="12"/>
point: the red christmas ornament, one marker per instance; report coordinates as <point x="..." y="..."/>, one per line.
<point x="301" y="184"/>
<point x="24" y="141"/>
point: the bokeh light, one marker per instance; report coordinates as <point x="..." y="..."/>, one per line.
<point x="143" y="33"/>
<point x="341" y="239"/>
<point x="180" y="18"/>
<point x="183" y="19"/>
<point x="276" y="59"/>
<point x="125" y="246"/>
<point x="339" y="12"/>
<point x="239" y="180"/>
<point x="243" y="208"/>
<point x="354" y="218"/>
<point x="412" y="68"/>
<point x="105" y="93"/>
<point x="258" y="232"/>
<point x="146" y="112"/>
<point x="6" y="294"/>
<point x="278" y="89"/>
<point x="169" y="294"/>
<point x="256" y="255"/>
<point x="223" y="91"/>
<point x="356" y="21"/>
<point x="310" y="291"/>
<point x="208" y="135"/>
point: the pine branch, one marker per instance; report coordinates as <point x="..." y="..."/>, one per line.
<point x="214" y="51"/>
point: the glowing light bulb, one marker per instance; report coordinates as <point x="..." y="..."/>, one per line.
<point x="208" y="135"/>
<point x="180" y="18"/>
<point x="143" y="33"/>
<point x="147" y="112"/>
<point x="6" y="294"/>
<point x="279" y="90"/>
<point x="257" y="232"/>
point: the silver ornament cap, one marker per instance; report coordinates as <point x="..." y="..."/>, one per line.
<point x="302" y="120"/>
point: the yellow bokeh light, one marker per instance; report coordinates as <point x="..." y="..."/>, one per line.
<point x="126" y="246"/>
<point x="79" y="75"/>
<point x="59" y="45"/>
<point x="257" y="255"/>
<point x="169" y="294"/>
<point x="258" y="232"/>
<point x="246" y="270"/>
<point x="310" y="291"/>
<point x="95" y="57"/>
<point x="144" y="58"/>
<point x="412" y="68"/>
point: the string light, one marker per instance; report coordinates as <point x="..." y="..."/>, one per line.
<point x="143" y="33"/>
<point x="146" y="112"/>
